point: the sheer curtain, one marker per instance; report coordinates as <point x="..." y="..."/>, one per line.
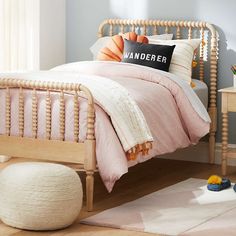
<point x="19" y="35"/>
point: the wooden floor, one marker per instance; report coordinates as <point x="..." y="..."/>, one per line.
<point x="141" y="180"/>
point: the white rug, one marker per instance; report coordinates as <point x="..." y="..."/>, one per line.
<point x="186" y="208"/>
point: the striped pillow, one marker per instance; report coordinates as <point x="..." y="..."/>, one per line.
<point x="181" y="62"/>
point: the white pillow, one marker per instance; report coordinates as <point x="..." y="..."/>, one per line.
<point x="181" y="62"/>
<point x="160" y="37"/>
<point x="102" y="42"/>
<point x="98" y="45"/>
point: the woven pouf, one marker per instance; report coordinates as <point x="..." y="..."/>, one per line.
<point x="39" y="196"/>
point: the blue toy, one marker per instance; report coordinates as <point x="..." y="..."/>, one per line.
<point x="225" y="183"/>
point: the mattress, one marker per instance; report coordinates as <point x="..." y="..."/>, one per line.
<point x="201" y="90"/>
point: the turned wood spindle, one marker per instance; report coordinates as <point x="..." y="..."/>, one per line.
<point x="48" y="115"/>
<point x="76" y="117"/>
<point x="111" y="30"/>
<point x="213" y="72"/>
<point x="21" y="112"/>
<point x="62" y="116"/>
<point x="34" y="114"/>
<point x="201" y="62"/>
<point x="144" y="30"/>
<point x="8" y="112"/>
<point x="154" y="30"/>
<point x="89" y="189"/>
<point x="90" y="122"/>
<point x="178" y="33"/>
<point x="166" y="30"/>
<point x="190" y="33"/>
<point x="133" y="28"/>
<point x="224" y="141"/>
<point x="122" y="28"/>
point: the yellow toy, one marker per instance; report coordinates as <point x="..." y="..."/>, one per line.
<point x="214" y="179"/>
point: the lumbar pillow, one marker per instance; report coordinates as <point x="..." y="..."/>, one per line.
<point x="115" y="47"/>
<point x="155" y="56"/>
<point x="103" y="41"/>
<point x="39" y="196"/>
<point x="181" y="63"/>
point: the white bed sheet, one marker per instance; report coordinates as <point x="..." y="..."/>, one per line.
<point x="201" y="90"/>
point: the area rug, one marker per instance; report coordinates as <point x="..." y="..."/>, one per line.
<point x="186" y="208"/>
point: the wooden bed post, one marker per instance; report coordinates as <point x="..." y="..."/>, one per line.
<point x="90" y="158"/>
<point x="90" y="167"/>
<point x="213" y="93"/>
<point x="213" y="114"/>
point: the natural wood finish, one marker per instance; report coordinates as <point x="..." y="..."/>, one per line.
<point x="132" y="28"/>
<point x="228" y="104"/>
<point x="48" y="115"/>
<point x="111" y="30"/>
<point x="127" y="190"/>
<point x="166" y="30"/>
<point x="8" y="112"/>
<point x="34" y="114"/>
<point x="224" y="135"/>
<point x="47" y="149"/>
<point x="231" y="154"/>
<point x="213" y="127"/>
<point x="177" y="26"/>
<point x="201" y="62"/>
<point x="42" y="149"/>
<point x="178" y="33"/>
<point x="76" y="117"/>
<point x="122" y="28"/>
<point x="90" y="135"/>
<point x="89" y="189"/>
<point x="21" y="113"/>
<point x="231" y="102"/>
<point x="190" y="33"/>
<point x="213" y="91"/>
<point x="224" y="141"/>
<point x="90" y="166"/>
<point x="154" y="30"/>
<point x="62" y="116"/>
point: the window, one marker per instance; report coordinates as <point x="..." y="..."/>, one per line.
<point x="19" y="35"/>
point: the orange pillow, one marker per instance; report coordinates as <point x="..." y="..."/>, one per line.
<point x="135" y="37"/>
<point x="114" y="49"/>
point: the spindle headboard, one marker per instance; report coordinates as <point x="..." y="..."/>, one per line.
<point x="208" y="52"/>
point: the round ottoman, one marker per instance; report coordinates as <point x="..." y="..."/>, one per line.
<point x="39" y="196"/>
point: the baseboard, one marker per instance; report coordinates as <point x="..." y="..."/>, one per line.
<point x="199" y="153"/>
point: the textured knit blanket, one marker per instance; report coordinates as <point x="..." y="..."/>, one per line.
<point x="127" y="119"/>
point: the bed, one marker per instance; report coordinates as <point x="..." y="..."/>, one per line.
<point x="23" y="137"/>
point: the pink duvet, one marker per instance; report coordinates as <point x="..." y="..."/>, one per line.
<point x="173" y="121"/>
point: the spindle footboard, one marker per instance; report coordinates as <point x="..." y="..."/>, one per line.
<point x="82" y="154"/>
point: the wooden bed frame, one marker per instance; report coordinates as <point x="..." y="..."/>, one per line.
<point x="83" y="154"/>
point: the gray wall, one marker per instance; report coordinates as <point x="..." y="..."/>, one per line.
<point x="84" y="17"/>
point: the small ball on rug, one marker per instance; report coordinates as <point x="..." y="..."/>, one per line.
<point x="39" y="196"/>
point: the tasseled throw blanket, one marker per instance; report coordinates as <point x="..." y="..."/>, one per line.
<point x="127" y="118"/>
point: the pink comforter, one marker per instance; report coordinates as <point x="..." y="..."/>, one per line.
<point x="173" y="121"/>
